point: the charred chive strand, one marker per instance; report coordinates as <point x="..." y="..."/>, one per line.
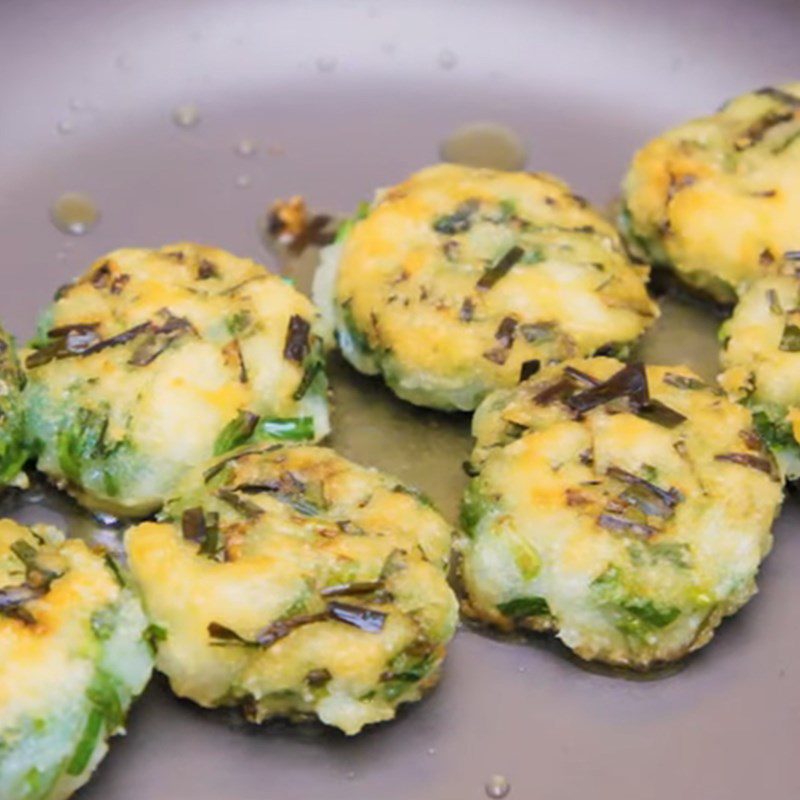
<point x="759" y="129"/>
<point x="780" y="95"/>
<point x="459" y="221"/>
<point x="12" y="597"/>
<point x="748" y="460"/>
<point x="193" y="524"/>
<point x="774" y="302"/>
<point x="245" y="507"/>
<point x="554" y="391"/>
<point x="529" y="369"/>
<point x="297" y="345"/>
<point x="630" y="381"/>
<point x="500" y="268"/>
<point x="670" y="497"/>
<point x="37" y="576"/>
<point x="201" y="528"/>
<point x="236" y="350"/>
<point x="661" y="414"/>
<point x="790" y="339"/>
<point x="119" y="339"/>
<point x="579" y="376"/>
<point x="617" y="524"/>
<point x="365" y="619"/>
<point x="683" y="381"/>
<point x="158" y="340"/>
<point x="791" y="255"/>
<point x="217" y="468"/>
<point x="309" y="376"/>
<point x="347" y="589"/>
<point x="236" y="432"/>
<point x="282" y="495"/>
<point x="504" y="335"/>
<point x="467" y="311"/>
<point x="537" y="331"/>
<point x="207" y="269"/>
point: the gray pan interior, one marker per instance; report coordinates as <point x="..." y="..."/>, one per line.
<point x="343" y="97"/>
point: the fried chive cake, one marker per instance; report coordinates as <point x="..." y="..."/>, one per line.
<point x="717" y="199"/>
<point x="452" y="282"/>
<point x="13" y="452"/>
<point x="156" y="360"/>
<point x="761" y="359"/>
<point x="626" y="509"/>
<point x="293" y="583"/>
<point x="74" y="652"/>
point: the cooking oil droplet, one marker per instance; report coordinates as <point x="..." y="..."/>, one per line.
<point x="485" y="144"/>
<point x="431" y="751"/>
<point x="520" y="669"/>
<point x="447" y="59"/>
<point x="243" y="181"/>
<point x="74" y="213"/>
<point x="326" y="64"/>
<point x="186" y="116"/>
<point x="351" y="776"/>
<point x="76" y="104"/>
<point x="246" y="148"/>
<point x="497" y="786"/>
<point x="65" y="126"/>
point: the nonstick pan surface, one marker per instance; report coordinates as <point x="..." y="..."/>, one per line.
<point x="342" y="97"/>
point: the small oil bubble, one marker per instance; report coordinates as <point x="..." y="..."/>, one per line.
<point x="186" y="116"/>
<point x="520" y="669"/>
<point x="246" y="148"/>
<point x="74" y="213"/>
<point x="498" y="786"/>
<point x="431" y="751"/>
<point x="485" y="144"/>
<point x="107" y="520"/>
<point x="351" y="776"/>
<point x="326" y="64"/>
<point x="65" y="126"/>
<point x="447" y="60"/>
<point x="243" y="181"/>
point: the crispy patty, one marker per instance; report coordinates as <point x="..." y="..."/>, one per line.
<point x="626" y="509"/>
<point x="717" y="199"/>
<point x="453" y="280"/>
<point x="73" y="655"/>
<point x="156" y="360"/>
<point x="294" y="583"/>
<point x="761" y="360"/>
<point x="13" y="452"/>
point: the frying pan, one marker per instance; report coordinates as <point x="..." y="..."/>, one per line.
<point x="342" y="97"/>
